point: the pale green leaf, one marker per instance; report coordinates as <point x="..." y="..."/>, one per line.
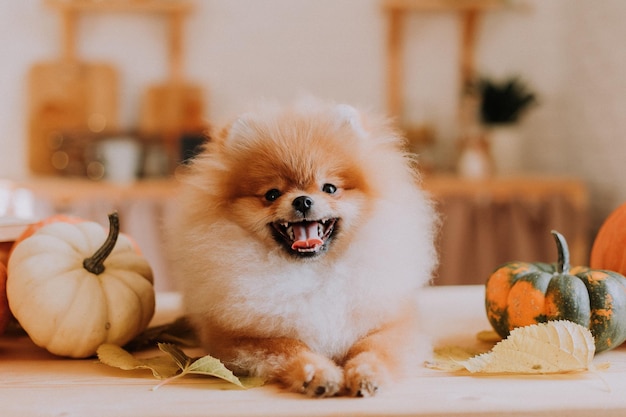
<point x="211" y="366"/>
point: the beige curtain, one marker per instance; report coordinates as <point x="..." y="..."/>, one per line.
<point x="489" y="223"/>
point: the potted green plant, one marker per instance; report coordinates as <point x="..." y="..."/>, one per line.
<point x="502" y="104"/>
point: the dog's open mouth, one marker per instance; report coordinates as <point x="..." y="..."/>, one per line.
<point x="306" y="237"/>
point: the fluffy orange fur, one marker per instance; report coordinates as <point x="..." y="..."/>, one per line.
<point x="300" y="241"/>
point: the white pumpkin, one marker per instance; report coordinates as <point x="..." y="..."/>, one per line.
<point x="73" y="288"/>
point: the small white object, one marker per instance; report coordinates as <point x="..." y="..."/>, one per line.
<point x="121" y="158"/>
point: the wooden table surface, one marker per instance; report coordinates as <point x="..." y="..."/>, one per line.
<point x="34" y="383"/>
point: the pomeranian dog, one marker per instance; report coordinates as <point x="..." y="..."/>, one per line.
<point x="300" y="241"/>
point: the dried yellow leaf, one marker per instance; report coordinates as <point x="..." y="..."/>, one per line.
<point x="552" y="347"/>
<point x="174" y="365"/>
<point x="162" y="367"/>
<point x="488" y="336"/>
<point x="450" y="358"/>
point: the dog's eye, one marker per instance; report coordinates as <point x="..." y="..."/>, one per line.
<point x="272" y="194"/>
<point x="329" y="188"/>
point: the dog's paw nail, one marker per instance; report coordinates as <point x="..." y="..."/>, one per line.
<point x="362" y="379"/>
<point x="366" y="389"/>
<point x="309" y="374"/>
<point x="320" y="391"/>
<point x="322" y="385"/>
<point x="319" y="377"/>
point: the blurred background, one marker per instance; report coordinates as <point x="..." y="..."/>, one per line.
<point x="89" y="84"/>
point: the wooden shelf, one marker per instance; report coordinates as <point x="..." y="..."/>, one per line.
<point x="469" y="12"/>
<point x="174" y="10"/>
<point x="442" y="5"/>
<point x="142" y="6"/>
<point x="67" y="94"/>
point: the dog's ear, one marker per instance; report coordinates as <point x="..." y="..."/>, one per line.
<point x="348" y="116"/>
<point x="238" y="128"/>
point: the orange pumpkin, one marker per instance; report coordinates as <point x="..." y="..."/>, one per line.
<point x="609" y="246"/>
<point x="5" y="249"/>
<point x="30" y="230"/>
<point x="5" y="312"/>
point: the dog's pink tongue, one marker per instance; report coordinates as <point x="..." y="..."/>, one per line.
<point x="306" y="236"/>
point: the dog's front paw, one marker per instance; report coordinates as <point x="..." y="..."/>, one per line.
<point x="324" y="381"/>
<point x="313" y="375"/>
<point x="364" y="374"/>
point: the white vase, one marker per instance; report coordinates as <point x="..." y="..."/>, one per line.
<point x="474" y="161"/>
<point x="506" y="149"/>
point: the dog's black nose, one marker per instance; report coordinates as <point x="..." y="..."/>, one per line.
<point x="302" y="203"/>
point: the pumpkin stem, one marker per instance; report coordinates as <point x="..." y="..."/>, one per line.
<point x="95" y="263"/>
<point x="562" y="266"/>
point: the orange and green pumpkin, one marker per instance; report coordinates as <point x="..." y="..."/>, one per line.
<point x="521" y="293"/>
